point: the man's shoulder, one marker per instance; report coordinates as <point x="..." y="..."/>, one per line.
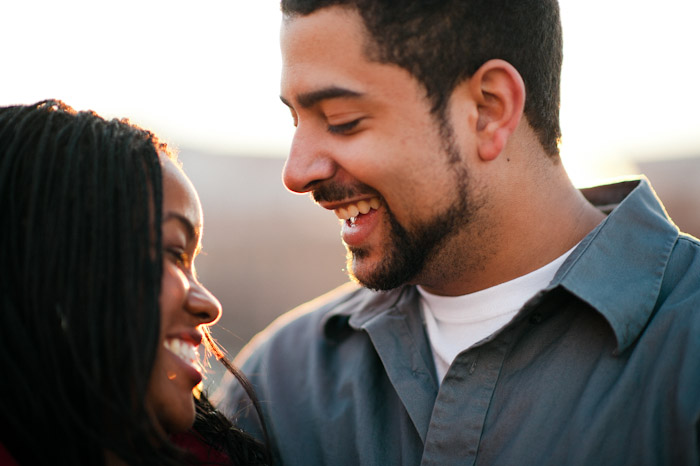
<point x="681" y="282"/>
<point x="691" y="243"/>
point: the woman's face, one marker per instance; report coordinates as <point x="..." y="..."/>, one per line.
<point x="184" y="303"/>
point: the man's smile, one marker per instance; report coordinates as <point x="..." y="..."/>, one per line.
<point x="353" y="209"/>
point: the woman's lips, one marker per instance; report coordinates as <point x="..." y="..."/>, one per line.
<point x="186" y="352"/>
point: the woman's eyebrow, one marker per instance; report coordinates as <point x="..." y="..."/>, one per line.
<point x="189" y="227"/>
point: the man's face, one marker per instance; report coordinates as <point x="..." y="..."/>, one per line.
<point x="367" y="147"/>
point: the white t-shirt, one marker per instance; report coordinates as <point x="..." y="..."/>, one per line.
<point x="454" y="323"/>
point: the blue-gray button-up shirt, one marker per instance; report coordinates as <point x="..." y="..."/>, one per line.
<point x="600" y="368"/>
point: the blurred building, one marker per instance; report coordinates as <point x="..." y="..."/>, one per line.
<point x="677" y="183"/>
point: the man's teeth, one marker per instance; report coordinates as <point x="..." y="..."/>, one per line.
<point x="351" y="211"/>
<point x="182" y="350"/>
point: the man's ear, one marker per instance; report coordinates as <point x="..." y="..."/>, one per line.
<point x="499" y="93"/>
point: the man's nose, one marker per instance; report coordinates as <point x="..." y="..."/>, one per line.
<point x="309" y="162"/>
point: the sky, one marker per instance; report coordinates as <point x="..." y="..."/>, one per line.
<point x="205" y="75"/>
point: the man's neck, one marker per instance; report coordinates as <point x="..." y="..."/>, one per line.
<point x="529" y="221"/>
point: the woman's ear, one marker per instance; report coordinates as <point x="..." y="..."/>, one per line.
<point x="499" y="93"/>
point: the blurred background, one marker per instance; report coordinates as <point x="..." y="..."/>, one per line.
<point x="204" y="76"/>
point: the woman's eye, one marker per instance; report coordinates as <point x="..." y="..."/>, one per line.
<point x="181" y="257"/>
<point x="344" y="128"/>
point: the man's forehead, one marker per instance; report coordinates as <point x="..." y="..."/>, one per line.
<point x="322" y="58"/>
<point x="323" y="27"/>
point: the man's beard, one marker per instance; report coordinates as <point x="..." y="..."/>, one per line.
<point x="407" y="252"/>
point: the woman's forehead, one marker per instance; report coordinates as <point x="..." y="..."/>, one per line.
<point x="179" y="195"/>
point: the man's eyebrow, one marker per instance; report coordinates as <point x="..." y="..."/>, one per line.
<point x="191" y="230"/>
<point x="309" y="99"/>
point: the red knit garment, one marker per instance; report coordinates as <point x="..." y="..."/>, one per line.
<point x="206" y="454"/>
<point x="5" y="458"/>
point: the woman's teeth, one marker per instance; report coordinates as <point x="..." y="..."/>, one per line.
<point x="351" y="211"/>
<point x="183" y="350"/>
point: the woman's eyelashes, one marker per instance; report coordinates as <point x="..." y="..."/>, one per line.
<point x="179" y="256"/>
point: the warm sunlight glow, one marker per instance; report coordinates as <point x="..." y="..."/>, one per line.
<point x="206" y="75"/>
<point x="629" y="90"/>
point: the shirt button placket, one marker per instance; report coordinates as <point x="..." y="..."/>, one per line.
<point x="460" y="408"/>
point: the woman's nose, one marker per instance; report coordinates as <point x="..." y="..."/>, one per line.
<point x="203" y="304"/>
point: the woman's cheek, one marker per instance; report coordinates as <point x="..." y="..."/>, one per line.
<point x="173" y="288"/>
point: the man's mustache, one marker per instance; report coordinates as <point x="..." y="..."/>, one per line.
<point x="334" y="192"/>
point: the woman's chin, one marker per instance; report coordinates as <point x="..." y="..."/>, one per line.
<point x="181" y="419"/>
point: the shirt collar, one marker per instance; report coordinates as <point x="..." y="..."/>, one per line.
<point x="618" y="267"/>
<point x="363" y="305"/>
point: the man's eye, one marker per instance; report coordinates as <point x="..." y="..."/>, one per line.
<point x="344" y="128"/>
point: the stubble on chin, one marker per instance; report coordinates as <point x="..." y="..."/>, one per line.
<point x="398" y="260"/>
<point x="426" y="252"/>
